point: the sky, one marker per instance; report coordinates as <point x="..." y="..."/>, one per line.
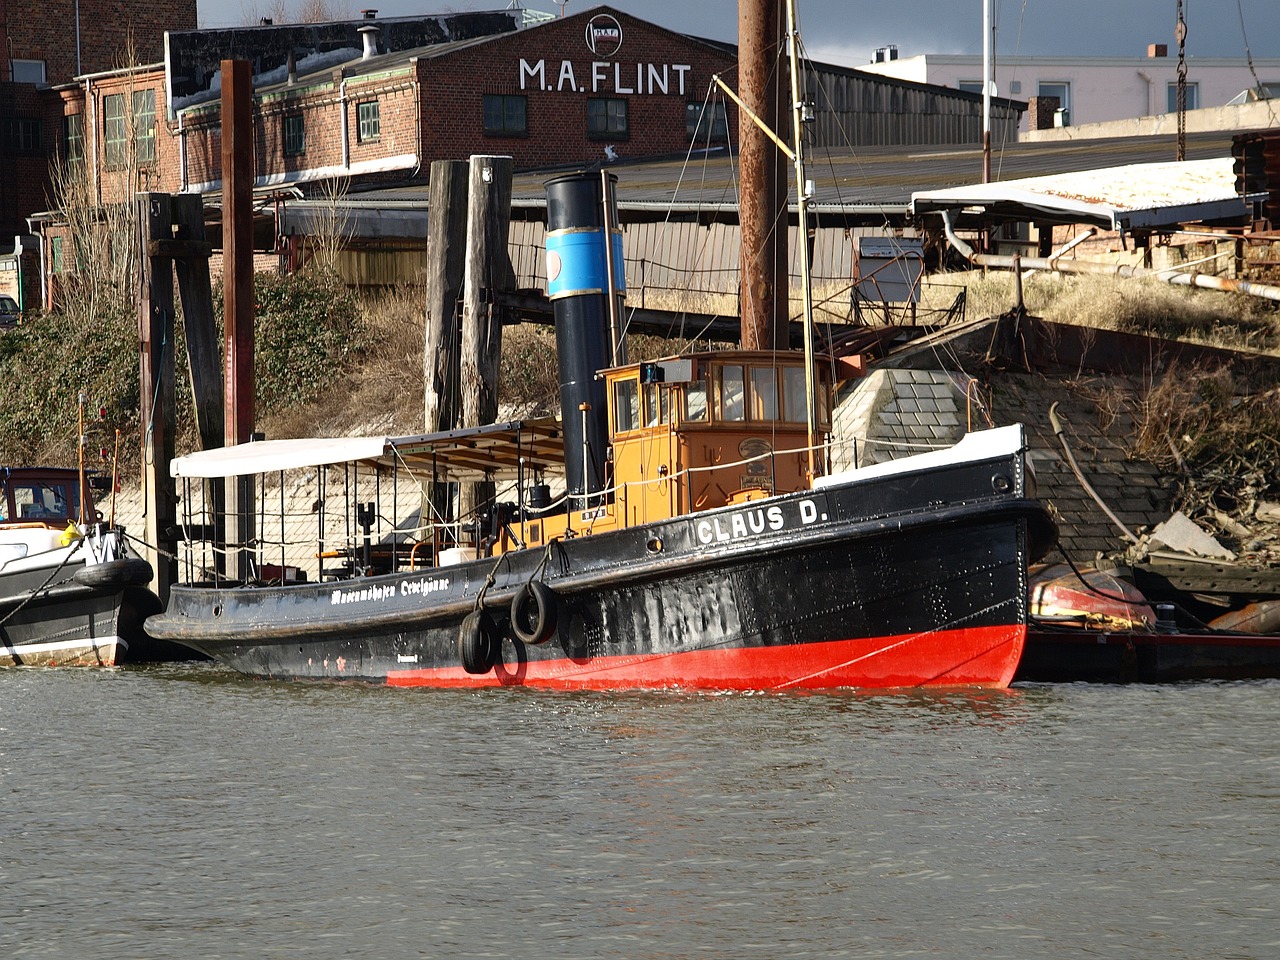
<point x="848" y="32"/>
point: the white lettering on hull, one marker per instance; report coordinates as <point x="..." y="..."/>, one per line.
<point x="743" y="524"/>
<point x="422" y="587"/>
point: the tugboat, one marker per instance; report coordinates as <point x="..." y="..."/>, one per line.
<point x="696" y="543"/>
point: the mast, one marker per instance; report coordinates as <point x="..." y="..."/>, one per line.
<point x="986" y="91"/>
<point x="804" y="192"/>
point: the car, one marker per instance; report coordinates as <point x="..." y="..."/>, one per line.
<point x="10" y="312"/>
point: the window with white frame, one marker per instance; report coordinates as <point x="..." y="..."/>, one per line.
<point x="1193" y="96"/>
<point x="293" y="133"/>
<point x="369" y="117"/>
<point x="27" y="71"/>
<point x="1059" y="89"/>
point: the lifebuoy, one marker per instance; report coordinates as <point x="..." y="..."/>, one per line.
<point x="475" y="642"/>
<point x="533" y="612"/>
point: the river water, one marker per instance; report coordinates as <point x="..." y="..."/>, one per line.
<point x="183" y="811"/>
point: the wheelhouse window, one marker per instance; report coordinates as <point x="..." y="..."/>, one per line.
<point x="764" y="393"/>
<point x="607" y="118"/>
<point x="505" y="115"/>
<point x="293" y="133"/>
<point x="44" y="500"/>
<point x="761" y="393"/>
<point x="657" y="406"/>
<point x="695" y="401"/>
<point x="369" y="118"/>
<point x="626" y="406"/>
<point x="794" y="408"/>
<point x="732" y="393"/>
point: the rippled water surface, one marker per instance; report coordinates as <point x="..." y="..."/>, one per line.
<point x="185" y="812"/>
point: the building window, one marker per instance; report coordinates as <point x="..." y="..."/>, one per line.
<point x="27" y="71"/>
<point x="118" y="126"/>
<point x="294" y="135"/>
<point x="73" y="137"/>
<point x="369" y="118"/>
<point x="1193" y="96"/>
<point x="115" y="130"/>
<point x="20" y="136"/>
<point x="607" y="118"/>
<point x="144" y="124"/>
<point x="969" y="86"/>
<point x="706" y="122"/>
<point x="57" y="264"/>
<point x="1060" y="90"/>
<point x="505" y="116"/>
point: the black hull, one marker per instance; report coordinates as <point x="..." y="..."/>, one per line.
<point x="1063" y="655"/>
<point x="907" y="580"/>
<point x="85" y="616"/>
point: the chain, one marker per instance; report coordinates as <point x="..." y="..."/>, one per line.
<point x="1180" y="33"/>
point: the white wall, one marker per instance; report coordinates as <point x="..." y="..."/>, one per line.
<point x="1102" y="89"/>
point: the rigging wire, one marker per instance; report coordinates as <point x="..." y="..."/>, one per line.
<point x="1259" y="87"/>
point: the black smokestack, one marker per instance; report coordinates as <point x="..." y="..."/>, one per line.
<point x="578" y="286"/>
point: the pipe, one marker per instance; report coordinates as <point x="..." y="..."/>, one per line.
<point x="346" y="132"/>
<point x="962" y="248"/>
<point x="182" y="151"/>
<point x="1205" y="281"/>
<point x="1067" y="247"/>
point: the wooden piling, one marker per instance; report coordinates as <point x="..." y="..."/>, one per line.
<point x="487" y="271"/>
<point x="237" y="260"/>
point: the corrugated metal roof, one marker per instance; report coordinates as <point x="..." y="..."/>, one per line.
<point x="869" y="184"/>
<point x="1133" y="196"/>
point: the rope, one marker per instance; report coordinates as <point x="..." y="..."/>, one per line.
<point x="32" y="595"/>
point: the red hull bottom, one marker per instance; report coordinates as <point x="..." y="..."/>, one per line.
<point x="977" y="657"/>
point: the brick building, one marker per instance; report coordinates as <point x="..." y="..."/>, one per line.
<point x="45" y="46"/>
<point x="55" y="40"/>
<point x="559" y="92"/>
<point x="372" y="102"/>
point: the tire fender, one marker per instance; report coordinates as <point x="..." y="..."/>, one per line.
<point x="533" y="612"/>
<point x="475" y="642"/>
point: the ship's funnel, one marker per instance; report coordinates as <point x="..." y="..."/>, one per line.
<point x="579" y="288"/>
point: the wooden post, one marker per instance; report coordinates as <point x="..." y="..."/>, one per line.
<point x="156" y="384"/>
<point x="446" y="254"/>
<point x="763" y="266"/>
<point x="204" y="367"/>
<point x="488" y="270"/>
<point x="237" y="260"/>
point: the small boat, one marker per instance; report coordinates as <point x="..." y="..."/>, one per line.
<point x="70" y="593"/>
<point x="1093" y="625"/>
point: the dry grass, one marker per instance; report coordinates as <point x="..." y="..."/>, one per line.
<point x="381" y="394"/>
<point x="385" y="391"/>
<point x="1143" y="306"/>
